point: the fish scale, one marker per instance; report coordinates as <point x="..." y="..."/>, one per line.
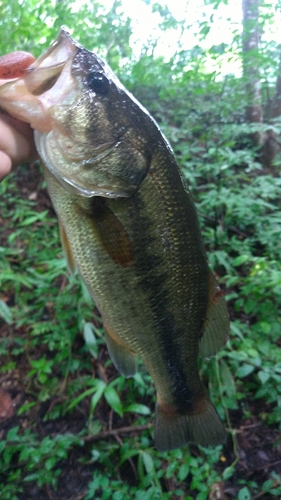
<point x="130" y="228"/>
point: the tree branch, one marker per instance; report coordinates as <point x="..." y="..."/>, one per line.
<point x="115" y="432"/>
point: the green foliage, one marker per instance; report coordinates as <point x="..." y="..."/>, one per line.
<point x="72" y="397"/>
<point x="106" y="30"/>
<point x="39" y="459"/>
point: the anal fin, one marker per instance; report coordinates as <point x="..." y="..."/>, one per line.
<point x="124" y="359"/>
<point x="216" y="325"/>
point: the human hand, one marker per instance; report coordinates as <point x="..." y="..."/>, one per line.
<point x="16" y="137"/>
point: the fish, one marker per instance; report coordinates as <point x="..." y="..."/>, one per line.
<point x="128" y="225"/>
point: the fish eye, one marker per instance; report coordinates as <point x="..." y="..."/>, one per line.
<point x="98" y="82"/>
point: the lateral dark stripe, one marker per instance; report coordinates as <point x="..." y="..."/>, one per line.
<point x="154" y="282"/>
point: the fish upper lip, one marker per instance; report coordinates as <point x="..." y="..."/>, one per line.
<point x="60" y="51"/>
<point x="53" y="61"/>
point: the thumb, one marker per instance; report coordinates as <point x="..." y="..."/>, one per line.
<point x="13" y="65"/>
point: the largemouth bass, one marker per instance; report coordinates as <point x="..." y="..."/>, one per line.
<point x="129" y="226"/>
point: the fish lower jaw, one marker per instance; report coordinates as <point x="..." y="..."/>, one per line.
<point x="35" y="120"/>
<point x="40" y="120"/>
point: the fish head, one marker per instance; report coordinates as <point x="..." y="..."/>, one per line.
<point x="90" y="133"/>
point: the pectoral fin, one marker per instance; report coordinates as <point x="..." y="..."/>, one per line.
<point x="216" y="324"/>
<point x="66" y="248"/>
<point x="111" y="233"/>
<point x="124" y="360"/>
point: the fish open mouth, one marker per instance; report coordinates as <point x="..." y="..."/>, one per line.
<point x="28" y="99"/>
<point x="48" y="85"/>
<point x="42" y="75"/>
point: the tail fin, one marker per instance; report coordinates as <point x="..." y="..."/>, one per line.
<point x="173" y="431"/>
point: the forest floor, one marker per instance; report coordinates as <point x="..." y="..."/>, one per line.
<point x="258" y="447"/>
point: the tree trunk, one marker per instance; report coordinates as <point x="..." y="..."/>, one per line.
<point x="275" y="110"/>
<point x="271" y="142"/>
<point x="250" y="39"/>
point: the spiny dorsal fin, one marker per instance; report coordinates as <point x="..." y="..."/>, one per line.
<point x="216" y="324"/>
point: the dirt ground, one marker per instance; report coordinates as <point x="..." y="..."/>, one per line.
<point x="258" y="446"/>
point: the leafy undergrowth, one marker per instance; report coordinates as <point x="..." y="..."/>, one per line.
<point x="71" y="426"/>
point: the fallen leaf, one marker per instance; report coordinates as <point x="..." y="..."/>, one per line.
<point x="6" y="405"/>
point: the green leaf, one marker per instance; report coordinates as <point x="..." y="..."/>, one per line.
<point x="51" y="462"/>
<point x="113" y="400"/>
<point x="90" y="339"/>
<point x="227" y="378"/>
<point x="244" y="370"/>
<point x="98" y="394"/>
<point x="148" y="462"/>
<point x="126" y="454"/>
<point x="228" y="473"/>
<point x="98" y="387"/>
<point x="5" y="312"/>
<point x="137" y="408"/>
<point x="26" y="407"/>
<point x="263" y="376"/>
<point x="183" y="472"/>
<point x="244" y="494"/>
<point x="34" y="218"/>
<point x="2" y="446"/>
<point x="12" y="434"/>
<point x="240" y="260"/>
<point x="264" y="326"/>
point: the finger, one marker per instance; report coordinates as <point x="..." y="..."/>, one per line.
<point x="5" y="165"/>
<point x="13" y="65"/>
<point x="16" y="140"/>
